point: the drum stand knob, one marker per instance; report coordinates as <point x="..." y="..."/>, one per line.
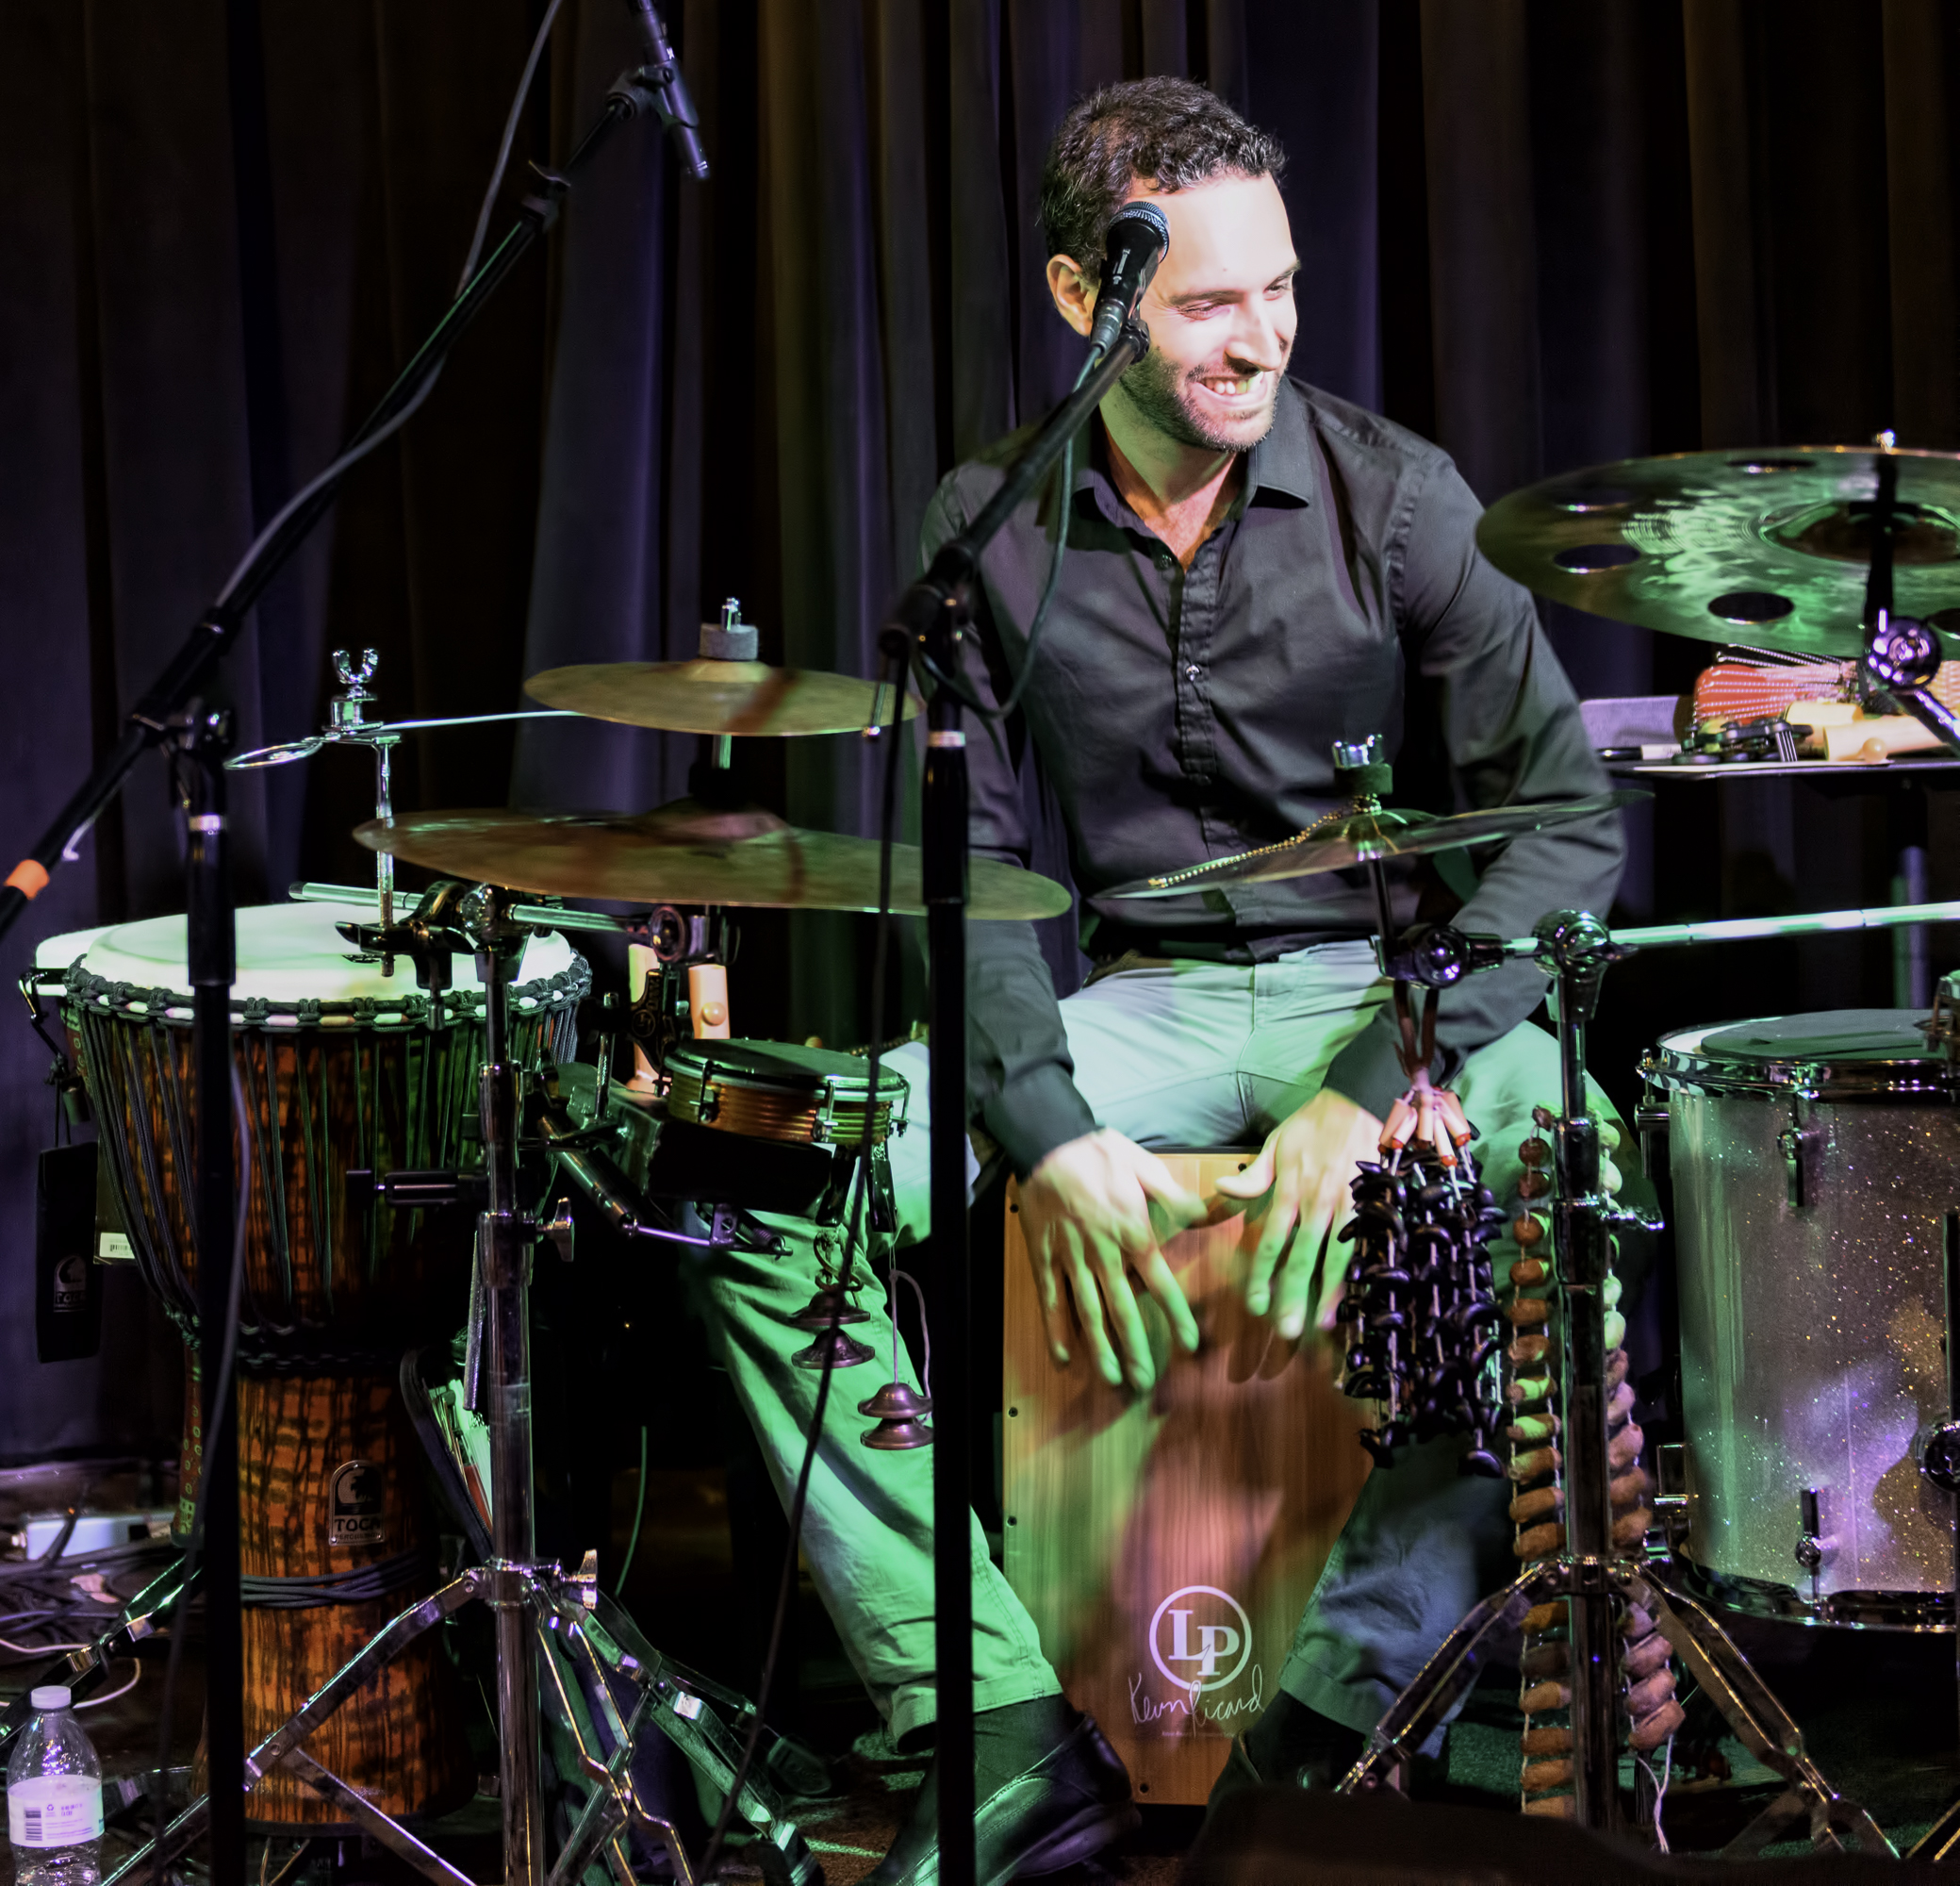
<point x="900" y="1411"/>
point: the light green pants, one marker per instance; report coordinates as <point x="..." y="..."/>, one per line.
<point x="1188" y="1054"/>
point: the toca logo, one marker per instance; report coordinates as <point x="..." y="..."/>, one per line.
<point x="1201" y="1639"/>
<point x="355" y="1499"/>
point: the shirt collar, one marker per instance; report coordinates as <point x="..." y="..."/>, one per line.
<point x="1281" y="462"/>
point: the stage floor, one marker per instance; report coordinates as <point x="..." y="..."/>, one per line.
<point x="1879" y="1713"/>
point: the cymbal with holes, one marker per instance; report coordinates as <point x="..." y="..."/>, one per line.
<point x="688" y="854"/>
<point x="1764" y="548"/>
<point x="1361" y="837"/>
<point x="717" y="697"/>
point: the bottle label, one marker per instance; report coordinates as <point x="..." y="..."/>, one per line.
<point x="53" y="1810"/>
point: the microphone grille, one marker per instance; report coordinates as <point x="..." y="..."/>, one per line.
<point x="1146" y="213"/>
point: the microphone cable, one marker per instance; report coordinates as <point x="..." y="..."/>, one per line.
<point x="1038" y="627"/>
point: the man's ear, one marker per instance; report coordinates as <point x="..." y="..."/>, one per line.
<point x="1074" y="292"/>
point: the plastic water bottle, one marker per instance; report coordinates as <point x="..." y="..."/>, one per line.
<point x="54" y="1796"/>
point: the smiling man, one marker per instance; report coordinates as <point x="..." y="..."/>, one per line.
<point x="1255" y="571"/>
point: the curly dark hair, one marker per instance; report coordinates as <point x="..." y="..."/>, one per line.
<point x="1170" y="133"/>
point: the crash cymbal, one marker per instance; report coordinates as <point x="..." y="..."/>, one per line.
<point x="716" y="697"/>
<point x="686" y="852"/>
<point x="1360" y="837"/>
<point x="1766" y="548"/>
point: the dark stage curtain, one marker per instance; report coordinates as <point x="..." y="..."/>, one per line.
<point x="1545" y="235"/>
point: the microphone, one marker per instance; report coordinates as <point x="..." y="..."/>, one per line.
<point x="662" y="75"/>
<point x="1137" y="237"/>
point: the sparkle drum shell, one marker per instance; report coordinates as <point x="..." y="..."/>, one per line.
<point x="1813" y="1160"/>
<point x="339" y="1068"/>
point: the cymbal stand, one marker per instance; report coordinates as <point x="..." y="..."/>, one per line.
<point x="1902" y="655"/>
<point x="544" y="1619"/>
<point x="1576" y="949"/>
<point x="348" y="724"/>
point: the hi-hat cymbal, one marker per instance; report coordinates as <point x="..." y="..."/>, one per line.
<point x="1360" y="837"/>
<point x="716" y="697"/>
<point x="1767" y="548"/>
<point x="687" y="853"/>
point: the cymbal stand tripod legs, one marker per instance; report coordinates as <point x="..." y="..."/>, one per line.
<point x="1575" y="950"/>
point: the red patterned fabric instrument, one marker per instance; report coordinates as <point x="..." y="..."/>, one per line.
<point x="1752" y="683"/>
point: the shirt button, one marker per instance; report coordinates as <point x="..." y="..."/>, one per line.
<point x="1165" y="561"/>
<point x="1192" y="671"/>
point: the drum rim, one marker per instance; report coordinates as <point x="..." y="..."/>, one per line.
<point x="157" y="1003"/>
<point x="800" y="1082"/>
<point x="1674" y="1069"/>
<point x="1927" y="1612"/>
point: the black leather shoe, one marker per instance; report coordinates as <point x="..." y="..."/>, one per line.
<point x="1292" y="1745"/>
<point x="1069" y="1803"/>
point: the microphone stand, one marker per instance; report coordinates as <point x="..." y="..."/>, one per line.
<point x="168" y="714"/>
<point x="928" y="627"/>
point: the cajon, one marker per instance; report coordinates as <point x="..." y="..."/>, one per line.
<point x="1165" y="1545"/>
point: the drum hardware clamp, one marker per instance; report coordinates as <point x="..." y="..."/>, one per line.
<point x="1576" y="949"/>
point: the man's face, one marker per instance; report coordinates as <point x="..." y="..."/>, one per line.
<point x="1220" y="312"/>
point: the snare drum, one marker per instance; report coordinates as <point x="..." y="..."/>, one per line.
<point x="1814" y="1157"/>
<point x="340" y="1067"/>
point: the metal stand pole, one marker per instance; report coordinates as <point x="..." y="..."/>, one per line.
<point x="1580" y="1240"/>
<point x="943" y="819"/>
<point x="926" y="628"/>
<point x="200" y="745"/>
<point x="504" y="1247"/>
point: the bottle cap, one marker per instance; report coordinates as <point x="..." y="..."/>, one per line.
<point x="49" y="1695"/>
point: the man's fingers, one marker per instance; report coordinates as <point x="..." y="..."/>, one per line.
<point x="1334" y="1255"/>
<point x="1162" y="1282"/>
<point x="1047" y="1289"/>
<point x="1088" y="1309"/>
<point x="1111" y="1257"/>
<point x="1256" y="1177"/>
<point x="1172" y="1208"/>
<point x="1295" y="1282"/>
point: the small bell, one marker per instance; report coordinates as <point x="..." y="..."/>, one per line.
<point x="830" y="1305"/>
<point x="843" y="1351"/>
<point x="900" y="1411"/>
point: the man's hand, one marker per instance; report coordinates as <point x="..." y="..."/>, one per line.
<point x="1095" y="1208"/>
<point x="1306" y="1165"/>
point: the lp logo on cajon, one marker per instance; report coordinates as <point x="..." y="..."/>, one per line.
<point x="1201" y="1639"/>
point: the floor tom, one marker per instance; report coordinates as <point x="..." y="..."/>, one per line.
<point x="1813" y="1158"/>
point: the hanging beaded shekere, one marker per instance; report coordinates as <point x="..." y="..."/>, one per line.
<point x="1420" y="1314"/>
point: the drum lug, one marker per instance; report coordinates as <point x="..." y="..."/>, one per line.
<point x="1671" y="1502"/>
<point x="559" y="1231"/>
<point x="1813" y="1548"/>
<point x="1789" y="1142"/>
<point x="1650" y="1123"/>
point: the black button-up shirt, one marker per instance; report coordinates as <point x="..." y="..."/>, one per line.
<point x="1182" y="716"/>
